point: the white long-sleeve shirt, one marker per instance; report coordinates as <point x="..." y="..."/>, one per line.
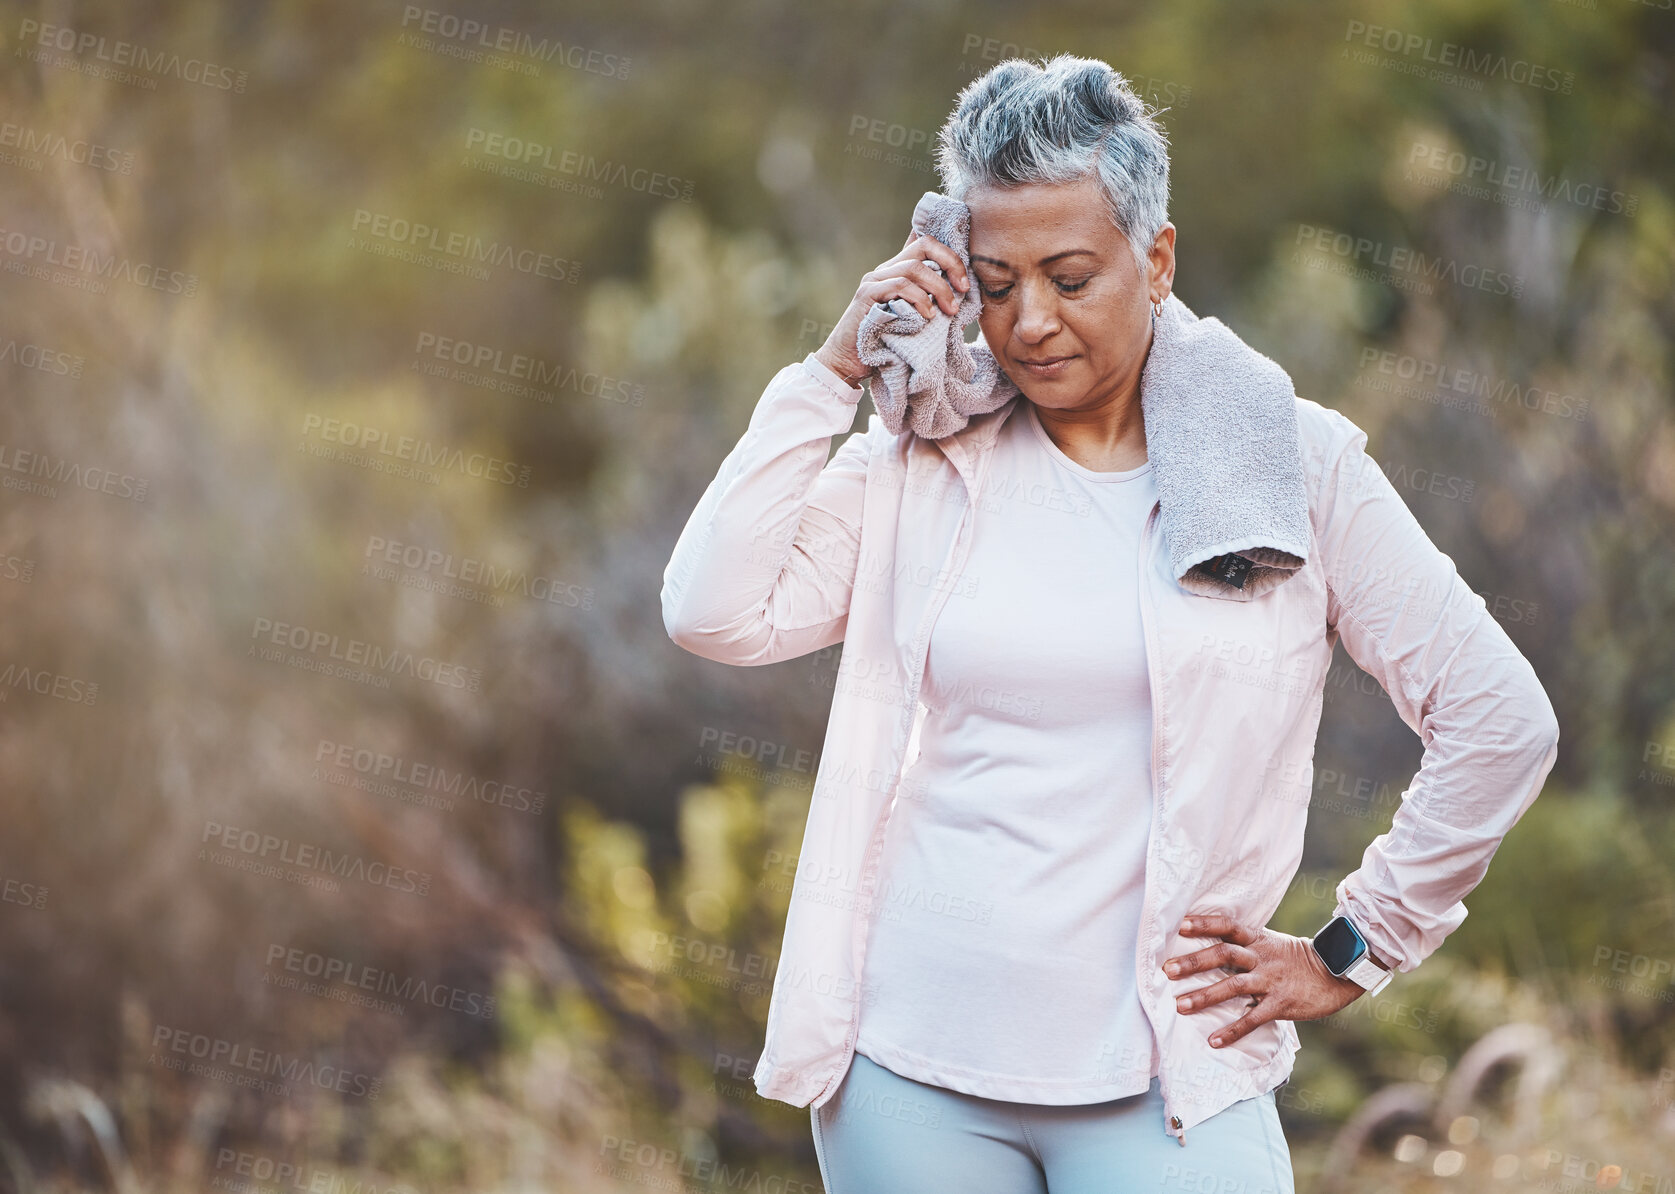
<point x="1002" y="960"/>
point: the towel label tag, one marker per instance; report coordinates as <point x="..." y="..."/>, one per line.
<point x="1232" y="568"/>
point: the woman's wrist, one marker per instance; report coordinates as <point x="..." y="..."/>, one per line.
<point x="846" y="370"/>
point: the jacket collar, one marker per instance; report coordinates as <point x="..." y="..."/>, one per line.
<point x="968" y="448"/>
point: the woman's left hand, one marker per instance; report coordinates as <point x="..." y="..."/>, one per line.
<point x="1282" y="974"/>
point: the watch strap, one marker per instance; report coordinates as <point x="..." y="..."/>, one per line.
<point x="1369" y="974"/>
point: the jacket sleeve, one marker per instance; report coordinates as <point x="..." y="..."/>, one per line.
<point x="1489" y="731"/>
<point x="764" y="569"/>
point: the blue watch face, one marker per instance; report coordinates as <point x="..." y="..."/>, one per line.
<point x="1339" y="945"/>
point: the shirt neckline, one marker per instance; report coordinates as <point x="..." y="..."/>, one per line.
<point x="1082" y="471"/>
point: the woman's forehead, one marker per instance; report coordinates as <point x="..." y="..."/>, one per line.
<point x="1040" y="224"/>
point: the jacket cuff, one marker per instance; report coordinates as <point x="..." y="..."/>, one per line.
<point x="1371" y="935"/>
<point x="828" y="377"/>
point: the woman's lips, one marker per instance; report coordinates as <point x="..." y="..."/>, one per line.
<point x="1052" y="370"/>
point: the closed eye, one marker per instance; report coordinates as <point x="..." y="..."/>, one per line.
<point x="1064" y="287"/>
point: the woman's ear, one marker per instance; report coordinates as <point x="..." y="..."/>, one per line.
<point x="1162" y="260"/>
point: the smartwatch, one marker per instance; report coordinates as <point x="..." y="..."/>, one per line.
<point x="1343" y="949"/>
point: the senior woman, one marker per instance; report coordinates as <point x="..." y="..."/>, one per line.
<point x="1027" y="948"/>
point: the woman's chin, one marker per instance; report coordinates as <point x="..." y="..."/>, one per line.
<point x="1055" y="395"/>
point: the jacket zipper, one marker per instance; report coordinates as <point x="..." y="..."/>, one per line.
<point x="921" y="647"/>
<point x="1146" y="919"/>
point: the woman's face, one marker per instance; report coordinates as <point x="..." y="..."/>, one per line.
<point x="1059" y="281"/>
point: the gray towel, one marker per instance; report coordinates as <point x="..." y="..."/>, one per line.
<point x="1221" y="421"/>
<point x="928" y="377"/>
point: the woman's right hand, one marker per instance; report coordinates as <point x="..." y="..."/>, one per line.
<point x="903" y="276"/>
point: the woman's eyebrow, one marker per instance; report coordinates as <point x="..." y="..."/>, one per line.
<point x="1043" y="261"/>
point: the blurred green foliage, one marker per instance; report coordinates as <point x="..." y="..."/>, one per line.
<point x="669" y="314"/>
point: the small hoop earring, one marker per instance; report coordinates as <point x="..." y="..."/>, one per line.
<point x="1157" y="309"/>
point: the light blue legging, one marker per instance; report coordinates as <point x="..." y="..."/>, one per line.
<point x="885" y="1134"/>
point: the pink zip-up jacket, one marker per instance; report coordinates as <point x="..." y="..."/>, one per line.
<point x="787" y="553"/>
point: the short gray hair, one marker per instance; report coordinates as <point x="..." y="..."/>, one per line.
<point x="1059" y="122"/>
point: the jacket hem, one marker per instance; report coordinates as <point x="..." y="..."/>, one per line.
<point x="799" y="1088"/>
<point x="1250" y="1084"/>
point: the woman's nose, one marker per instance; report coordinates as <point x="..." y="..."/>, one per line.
<point x="1037" y="313"/>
